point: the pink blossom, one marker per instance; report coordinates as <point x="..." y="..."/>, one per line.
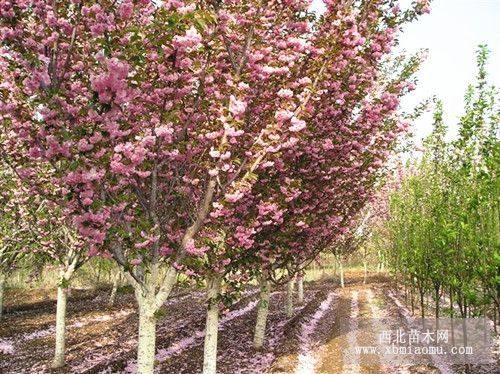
<point x="328" y="144"/>
<point x="126" y="9"/>
<point x="297" y="125"/>
<point x="83" y="145"/>
<point x="283" y="115"/>
<point x="267" y="164"/>
<point x="191" y="39"/>
<point x="165" y="132"/>
<point x="237" y="107"/>
<point x="233" y="197"/>
<point x="285" y="93"/>
<point x="143" y="174"/>
<point x="135" y="261"/>
<point x="87" y="201"/>
<point x="305" y="81"/>
<point x="225" y="156"/>
<point x="214" y="153"/>
<point x="193" y="250"/>
<point x="187" y="9"/>
<point x="232" y="132"/>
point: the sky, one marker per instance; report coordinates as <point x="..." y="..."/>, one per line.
<point x="451" y="33"/>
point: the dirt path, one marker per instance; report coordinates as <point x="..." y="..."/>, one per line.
<point x="347" y="325"/>
<point x="307" y="359"/>
<point x="333" y="333"/>
<point x="356" y="318"/>
<point x="319" y="338"/>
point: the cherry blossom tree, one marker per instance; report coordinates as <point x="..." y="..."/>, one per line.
<point x="310" y="198"/>
<point x="11" y="245"/>
<point x="33" y="233"/>
<point x="288" y="204"/>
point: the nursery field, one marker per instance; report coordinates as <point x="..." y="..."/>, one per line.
<point x="179" y="178"/>
<point x="313" y="340"/>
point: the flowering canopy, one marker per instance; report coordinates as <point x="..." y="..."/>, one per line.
<point x="147" y="117"/>
<point x="309" y="197"/>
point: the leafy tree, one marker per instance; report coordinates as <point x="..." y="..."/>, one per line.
<point x="443" y="215"/>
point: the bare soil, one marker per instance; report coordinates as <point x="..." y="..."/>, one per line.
<point x="103" y="339"/>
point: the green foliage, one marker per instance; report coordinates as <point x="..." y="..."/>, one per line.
<point x="443" y="224"/>
<point x="64" y="283"/>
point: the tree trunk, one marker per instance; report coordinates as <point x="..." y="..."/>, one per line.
<point x="212" y="326"/>
<point x="365" y="266"/>
<point x="452" y="310"/>
<point x="412" y="292"/>
<point x="438" y="299"/>
<point x="147" y="333"/>
<point x="62" y="297"/>
<point x="406" y="292"/>
<point x="422" y="303"/>
<point x="495" y="320"/>
<point x="378" y="263"/>
<point x="289" y="298"/>
<point x="262" y="312"/>
<point x="150" y="296"/>
<point x="98" y="278"/>
<point x="300" y="289"/>
<point x="341" y="273"/>
<point x="452" y="328"/>
<point x="112" y="296"/>
<point x="460" y="305"/>
<point x="2" y="286"/>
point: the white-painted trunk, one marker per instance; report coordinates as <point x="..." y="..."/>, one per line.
<point x="2" y="286"/>
<point x="341" y="268"/>
<point x="300" y="289"/>
<point x="262" y="312"/>
<point x="147" y="334"/>
<point x="149" y="303"/>
<point x="62" y="297"/>
<point x="211" y="327"/>
<point x="380" y="262"/>
<point x="289" y="298"/>
<point x="112" y="296"/>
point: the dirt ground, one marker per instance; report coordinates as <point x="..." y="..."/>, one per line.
<point x="103" y="339"/>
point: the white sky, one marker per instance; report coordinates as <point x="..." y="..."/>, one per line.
<point x="451" y="33"/>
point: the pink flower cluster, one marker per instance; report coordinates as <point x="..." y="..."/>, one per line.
<point x="173" y="139"/>
<point x="112" y="85"/>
